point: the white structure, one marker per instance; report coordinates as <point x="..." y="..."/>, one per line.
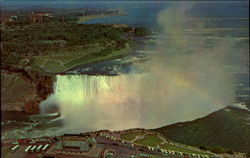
<point x="38" y="149"/>
<point x="45" y="147"/>
<point x="28" y="148"/>
<point x="15" y="148"/>
<point x="76" y="143"/>
<point x="33" y="148"/>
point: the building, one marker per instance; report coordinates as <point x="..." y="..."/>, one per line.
<point x="81" y="144"/>
<point x="75" y="146"/>
<point x="38" y="17"/>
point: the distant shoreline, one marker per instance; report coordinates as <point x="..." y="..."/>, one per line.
<point x="86" y="18"/>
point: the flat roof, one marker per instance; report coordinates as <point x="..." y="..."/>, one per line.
<point x="75" y="138"/>
<point x="94" y="152"/>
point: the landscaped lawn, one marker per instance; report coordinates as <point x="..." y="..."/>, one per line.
<point x="91" y="59"/>
<point x="131" y="135"/>
<point x="70" y="60"/>
<point x="150" y="140"/>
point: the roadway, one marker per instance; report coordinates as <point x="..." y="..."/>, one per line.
<point x="125" y="150"/>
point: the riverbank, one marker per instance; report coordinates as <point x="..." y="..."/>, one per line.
<point x="49" y="64"/>
<point x="85" y="18"/>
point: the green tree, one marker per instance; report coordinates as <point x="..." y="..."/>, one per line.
<point x="203" y="147"/>
<point x="248" y="155"/>
<point x="217" y="149"/>
<point x="229" y="151"/>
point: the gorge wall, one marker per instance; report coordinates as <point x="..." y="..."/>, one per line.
<point x="23" y="91"/>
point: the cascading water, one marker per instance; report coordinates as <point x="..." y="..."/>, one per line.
<point x="96" y="102"/>
<point x="148" y="100"/>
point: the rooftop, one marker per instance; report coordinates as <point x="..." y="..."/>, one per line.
<point x="75" y="138"/>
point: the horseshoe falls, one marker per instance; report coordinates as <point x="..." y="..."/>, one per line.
<point x="95" y="102"/>
<point x="88" y="103"/>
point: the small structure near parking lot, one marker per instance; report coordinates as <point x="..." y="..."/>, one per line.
<point x="78" y="143"/>
<point x="75" y="146"/>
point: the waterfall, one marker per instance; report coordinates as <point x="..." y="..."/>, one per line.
<point x="148" y="100"/>
<point x="97" y="102"/>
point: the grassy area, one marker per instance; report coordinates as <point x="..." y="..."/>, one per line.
<point x="53" y="66"/>
<point x="228" y="128"/>
<point x="61" y="43"/>
<point x="4" y="151"/>
<point x="150" y="140"/>
<point x="181" y="149"/>
<point x="39" y="61"/>
<point x="70" y="60"/>
<point x="92" y="59"/>
<point x="131" y="135"/>
<point x="67" y="56"/>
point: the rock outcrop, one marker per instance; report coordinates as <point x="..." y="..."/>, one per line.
<point x="23" y="91"/>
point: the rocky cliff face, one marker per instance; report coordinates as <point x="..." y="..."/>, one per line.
<point x="44" y="86"/>
<point x="23" y="91"/>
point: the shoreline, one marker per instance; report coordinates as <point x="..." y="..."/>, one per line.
<point x="85" y="18"/>
<point x="77" y="62"/>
